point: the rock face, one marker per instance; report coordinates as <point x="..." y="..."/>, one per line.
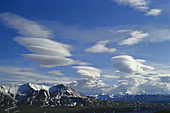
<point x="6" y="100"/>
<point x="43" y="96"/>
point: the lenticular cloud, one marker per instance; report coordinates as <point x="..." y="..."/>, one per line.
<point x="36" y="38"/>
<point x="128" y="64"/>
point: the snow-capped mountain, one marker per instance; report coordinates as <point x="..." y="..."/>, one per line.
<point x="61" y="95"/>
<point x="40" y="95"/>
<point x="141" y="97"/>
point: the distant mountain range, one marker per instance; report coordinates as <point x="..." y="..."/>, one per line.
<point x="141" y="97"/>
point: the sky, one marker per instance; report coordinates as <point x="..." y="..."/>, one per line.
<point x="93" y="46"/>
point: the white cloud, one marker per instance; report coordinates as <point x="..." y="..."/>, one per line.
<point x="110" y="76"/>
<point x="153" y="12"/>
<point x="22" y="74"/>
<point x="89" y="86"/>
<point x="78" y="62"/>
<point x="100" y="47"/>
<point x="136" y="37"/>
<point x="155" y="87"/>
<point x="55" y="72"/>
<point x="25" y="27"/>
<point x="129" y="65"/>
<point x="165" y="79"/>
<point x="18" y="75"/>
<point x="140" y="86"/>
<point x="121" y="31"/>
<point x="157" y="33"/>
<point x="140" y="5"/>
<point x="48" y="61"/>
<point x="88" y="72"/>
<point x="48" y="53"/>
<point x="154" y="33"/>
<point x="137" y="77"/>
<point x="45" y="46"/>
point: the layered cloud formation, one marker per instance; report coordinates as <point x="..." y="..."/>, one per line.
<point x="128" y="64"/>
<point x="46" y="52"/>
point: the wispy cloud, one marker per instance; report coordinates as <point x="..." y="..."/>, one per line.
<point x="78" y="62"/>
<point x="25" y="27"/>
<point x="121" y="31"/>
<point x="136" y="37"/>
<point x="110" y="76"/>
<point x="55" y="72"/>
<point x="144" y="33"/>
<point x="100" y="47"/>
<point x="153" y="12"/>
<point x="157" y="33"/>
<point x="140" y="5"/>
<point x="153" y="33"/>
<point x="22" y="74"/>
<point x="16" y="74"/>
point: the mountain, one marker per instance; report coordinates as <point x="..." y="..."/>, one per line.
<point x="6" y="100"/>
<point x="44" y="96"/>
<point x="142" y="97"/>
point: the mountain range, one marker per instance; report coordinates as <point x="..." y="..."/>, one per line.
<point x="141" y="97"/>
<point x="44" y="96"/>
<point x="61" y="95"/>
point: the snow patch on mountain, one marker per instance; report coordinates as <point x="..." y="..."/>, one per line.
<point x="24" y="88"/>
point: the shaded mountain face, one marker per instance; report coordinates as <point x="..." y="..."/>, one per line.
<point x="6" y="100"/>
<point x="43" y="96"/>
<point x="62" y="90"/>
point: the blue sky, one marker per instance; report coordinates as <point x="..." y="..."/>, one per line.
<point x="104" y="46"/>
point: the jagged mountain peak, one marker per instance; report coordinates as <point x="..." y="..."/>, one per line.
<point x="30" y="86"/>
